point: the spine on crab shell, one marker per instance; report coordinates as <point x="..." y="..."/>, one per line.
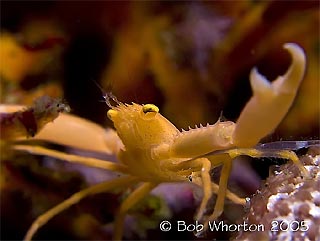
<point x="199" y="141"/>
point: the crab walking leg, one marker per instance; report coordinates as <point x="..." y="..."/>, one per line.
<point x="88" y="161"/>
<point x="215" y="188"/>
<point x="75" y="198"/>
<point x="223" y="186"/>
<point x="285" y="154"/>
<point x="206" y="181"/>
<point x="203" y="166"/>
<point x="196" y="179"/>
<point x="270" y="101"/>
<point x="131" y="200"/>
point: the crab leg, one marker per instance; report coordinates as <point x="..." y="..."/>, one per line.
<point x="88" y="161"/>
<point x="77" y="197"/>
<point x="285" y="154"/>
<point x="223" y="186"/>
<point x="270" y="101"/>
<point x="202" y="165"/>
<point x="206" y="181"/>
<point x="215" y="188"/>
<point x="133" y="198"/>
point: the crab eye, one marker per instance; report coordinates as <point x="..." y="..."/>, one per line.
<point x="150" y="108"/>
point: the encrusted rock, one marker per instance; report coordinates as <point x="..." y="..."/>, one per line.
<point x="288" y="206"/>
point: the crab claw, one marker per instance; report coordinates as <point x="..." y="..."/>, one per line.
<point x="270" y="101"/>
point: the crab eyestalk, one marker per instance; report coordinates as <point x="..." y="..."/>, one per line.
<point x="270" y="101"/>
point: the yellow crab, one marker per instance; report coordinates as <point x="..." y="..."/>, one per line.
<point x="151" y="150"/>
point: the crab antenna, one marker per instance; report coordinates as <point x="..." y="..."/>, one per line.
<point x="109" y="96"/>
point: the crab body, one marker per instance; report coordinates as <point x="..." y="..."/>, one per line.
<point x="151" y="141"/>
